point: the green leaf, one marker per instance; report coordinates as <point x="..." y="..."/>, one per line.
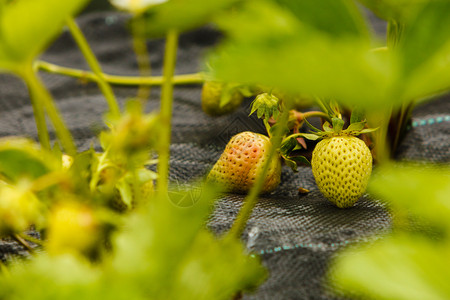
<point x="21" y="158"/>
<point x="277" y="50"/>
<point x="424" y="50"/>
<point x="400" y="10"/>
<point x="181" y="15"/>
<point x="28" y="26"/>
<point x="422" y="189"/>
<point x="407" y="264"/>
<point x="425" y="35"/>
<point x="339" y="18"/>
<point x="404" y="267"/>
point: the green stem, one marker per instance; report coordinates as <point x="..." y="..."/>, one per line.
<point x="44" y="99"/>
<point x="142" y="57"/>
<point x="311" y="114"/>
<point x="38" y="111"/>
<point x="194" y="78"/>
<point x="94" y="65"/>
<point x="166" y="111"/>
<point x="252" y="198"/>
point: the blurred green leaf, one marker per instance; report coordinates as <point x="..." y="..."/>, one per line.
<point x="181" y="15"/>
<point x="400" y="267"/>
<point x="277" y="50"/>
<point x="422" y="189"/>
<point x="163" y="251"/>
<point x="21" y="158"/>
<point x="28" y="26"/>
<point x="424" y="51"/>
<point x="336" y="17"/>
<point x="405" y="265"/>
<point x="399" y="10"/>
<point x="358" y="115"/>
<point x="169" y="246"/>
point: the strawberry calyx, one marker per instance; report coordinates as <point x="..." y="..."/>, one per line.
<point x="336" y="129"/>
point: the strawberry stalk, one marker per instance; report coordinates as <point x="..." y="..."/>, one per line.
<point x="94" y="65"/>
<point x="252" y="198"/>
<point x="166" y="111"/>
<point x="43" y="99"/>
<point x="194" y="78"/>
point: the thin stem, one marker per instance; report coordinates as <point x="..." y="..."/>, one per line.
<point x="252" y="198"/>
<point x="23" y="242"/>
<point x="142" y="57"/>
<point x="94" y="65"/>
<point x="311" y="114"/>
<point x="166" y="111"/>
<point x="44" y="99"/>
<point x="38" y="111"/>
<point x="194" y="78"/>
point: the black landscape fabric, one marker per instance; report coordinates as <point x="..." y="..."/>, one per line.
<point x="295" y="235"/>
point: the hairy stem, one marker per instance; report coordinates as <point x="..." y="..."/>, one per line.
<point x="252" y="198"/>
<point x="194" y="78"/>
<point x="43" y="98"/>
<point x="166" y="111"/>
<point x="94" y="65"/>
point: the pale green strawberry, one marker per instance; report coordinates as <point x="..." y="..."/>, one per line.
<point x="238" y="166"/>
<point x="341" y="162"/>
<point x="341" y="166"/>
<point x="214" y="94"/>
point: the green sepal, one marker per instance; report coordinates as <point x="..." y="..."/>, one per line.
<point x="356" y="126"/>
<point x="291" y="164"/>
<point x="327" y="127"/>
<point x="309" y="136"/>
<point x="126" y="192"/>
<point x="300" y="159"/>
<point x="358" y="115"/>
<point x="317" y="130"/>
<point x="338" y="124"/>
<point x="266" y="105"/>
<point x="368" y="130"/>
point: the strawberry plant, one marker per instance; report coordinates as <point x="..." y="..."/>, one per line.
<point x="108" y="218"/>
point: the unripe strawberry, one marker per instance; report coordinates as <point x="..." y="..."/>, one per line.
<point x="238" y="166"/>
<point x="19" y="208"/>
<point x="73" y="228"/>
<point x="342" y="166"/>
<point x="212" y="93"/>
<point x="341" y="162"/>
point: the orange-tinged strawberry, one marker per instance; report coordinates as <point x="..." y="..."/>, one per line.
<point x="239" y="165"/>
